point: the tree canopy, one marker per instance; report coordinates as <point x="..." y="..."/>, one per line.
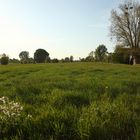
<point x="100" y="52"/>
<point x="4" y="60"/>
<point x="41" y="55"/>
<point x="24" y="56"/>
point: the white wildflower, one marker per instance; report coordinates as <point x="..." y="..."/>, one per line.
<point x="9" y="109"/>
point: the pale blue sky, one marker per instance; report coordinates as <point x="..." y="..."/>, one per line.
<point x="62" y="27"/>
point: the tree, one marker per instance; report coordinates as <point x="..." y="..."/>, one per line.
<point x="67" y="59"/>
<point x="71" y="58"/>
<point x="24" y="57"/>
<point x="41" y="55"/>
<point x="100" y="52"/>
<point x="48" y="59"/>
<point x="4" y="59"/>
<point x="125" y="25"/>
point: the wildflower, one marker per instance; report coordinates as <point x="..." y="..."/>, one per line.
<point x="9" y="110"/>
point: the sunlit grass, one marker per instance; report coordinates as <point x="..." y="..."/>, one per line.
<point x="73" y="101"/>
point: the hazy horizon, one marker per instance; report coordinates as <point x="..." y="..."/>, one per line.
<point x="61" y="27"/>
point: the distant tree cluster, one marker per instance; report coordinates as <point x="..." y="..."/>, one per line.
<point x="125" y="29"/>
<point x="100" y="55"/>
<point x="41" y="56"/>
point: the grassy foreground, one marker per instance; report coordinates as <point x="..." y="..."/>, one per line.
<point x="74" y="101"/>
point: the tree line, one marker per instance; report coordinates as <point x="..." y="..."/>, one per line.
<point x="101" y="54"/>
<point x="42" y="56"/>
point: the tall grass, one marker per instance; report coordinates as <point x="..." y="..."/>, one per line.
<point x="77" y="101"/>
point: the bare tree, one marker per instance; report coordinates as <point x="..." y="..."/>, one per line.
<point x="125" y="24"/>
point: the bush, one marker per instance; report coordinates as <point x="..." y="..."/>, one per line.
<point x="4" y="60"/>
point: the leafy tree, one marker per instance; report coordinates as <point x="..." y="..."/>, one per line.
<point x="24" y="56"/>
<point x="100" y="52"/>
<point x="41" y="55"/>
<point x="67" y="59"/>
<point x="4" y="59"/>
<point x="71" y="58"/>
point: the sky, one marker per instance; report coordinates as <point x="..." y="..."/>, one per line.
<point x="61" y="27"/>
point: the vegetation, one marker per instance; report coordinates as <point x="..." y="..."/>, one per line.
<point x="12" y="61"/>
<point x="4" y="60"/>
<point x="100" y="53"/>
<point x="70" y="101"/>
<point x="125" y="27"/>
<point x="125" y="24"/>
<point x="41" y="55"/>
<point x="24" y="57"/>
<point x="76" y="101"/>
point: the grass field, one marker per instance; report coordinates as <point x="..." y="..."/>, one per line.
<point x="72" y="101"/>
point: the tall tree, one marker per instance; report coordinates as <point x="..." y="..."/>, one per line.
<point x="100" y="52"/>
<point x="125" y="24"/>
<point x="41" y="55"/>
<point x="71" y="58"/>
<point x="24" y="56"/>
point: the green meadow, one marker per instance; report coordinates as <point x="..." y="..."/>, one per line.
<point x="72" y="101"/>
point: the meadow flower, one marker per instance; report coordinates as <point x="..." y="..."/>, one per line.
<point x="9" y="109"/>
